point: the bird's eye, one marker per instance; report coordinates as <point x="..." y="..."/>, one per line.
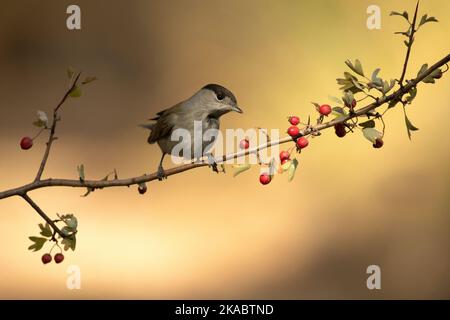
<point x="220" y="96"/>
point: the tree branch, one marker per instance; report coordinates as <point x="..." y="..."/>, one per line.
<point x="100" y="184"/>
<point x="51" y="136"/>
<point x="43" y="215"/>
<point x="410" y="43"/>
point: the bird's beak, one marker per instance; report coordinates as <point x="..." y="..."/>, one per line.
<point x="237" y="109"/>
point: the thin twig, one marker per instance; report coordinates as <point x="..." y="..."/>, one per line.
<point x="51" y="136"/>
<point x="43" y="215"/>
<point x="410" y="43"/>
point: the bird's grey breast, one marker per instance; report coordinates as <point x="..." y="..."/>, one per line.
<point x="211" y="123"/>
<point x="210" y="131"/>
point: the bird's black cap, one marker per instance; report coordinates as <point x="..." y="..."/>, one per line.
<point x="220" y="91"/>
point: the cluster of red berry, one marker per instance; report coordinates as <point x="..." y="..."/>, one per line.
<point x="294" y="131"/>
<point x="47" y="258"/>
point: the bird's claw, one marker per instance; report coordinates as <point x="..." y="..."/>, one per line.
<point x="212" y="163"/>
<point x="161" y="174"/>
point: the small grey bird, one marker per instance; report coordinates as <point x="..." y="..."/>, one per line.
<point x="207" y="105"/>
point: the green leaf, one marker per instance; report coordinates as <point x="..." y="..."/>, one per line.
<point x="67" y="230"/>
<point x="375" y="74"/>
<point x="426" y="19"/>
<point x="357" y="67"/>
<point x="70" y="220"/>
<point x="272" y="167"/>
<point x="387" y="86"/>
<point x="316" y="105"/>
<point x="412" y="94"/>
<point x="338" y="111"/>
<point x="368" y="124"/>
<point x="350" y="87"/>
<point x="292" y="169"/>
<point x="239" y="168"/>
<point x="80" y="169"/>
<point x="285" y="166"/>
<point x="404" y="14"/>
<point x="70" y="72"/>
<point x="435" y="74"/>
<point x="348" y="98"/>
<point x="348" y="82"/>
<point x="46" y="231"/>
<point x="406" y="34"/>
<point x="75" y="92"/>
<point x="371" y="134"/>
<point x="69" y="243"/>
<point x="335" y="99"/>
<point x="358" y="85"/>
<point x="38" y="243"/>
<point x="88" y="80"/>
<point x="423" y="20"/>
<point x="377" y="81"/>
<point x="39" y="123"/>
<point x="349" y="76"/>
<point x="409" y="126"/>
<point x="423" y="68"/>
<point x="432" y="19"/>
<point x="42" y="120"/>
<point x="392" y="103"/>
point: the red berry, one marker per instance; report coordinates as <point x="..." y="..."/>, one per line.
<point x="339" y="129"/>
<point x="284" y="155"/>
<point x="378" y="143"/>
<point x="353" y="103"/>
<point x="59" y="257"/>
<point x="293" y="131"/>
<point x="302" y="142"/>
<point x="142" y="188"/>
<point x="284" y="161"/>
<point x="264" y="178"/>
<point x="294" y="120"/>
<point x="325" y="109"/>
<point x="244" y="144"/>
<point x="46" y="258"/>
<point x="26" y="143"/>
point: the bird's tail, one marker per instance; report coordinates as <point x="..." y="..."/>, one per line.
<point x="147" y="125"/>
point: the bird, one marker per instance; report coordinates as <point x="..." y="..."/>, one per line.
<point x="207" y="105"/>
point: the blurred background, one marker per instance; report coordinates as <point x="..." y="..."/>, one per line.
<point x="202" y="235"/>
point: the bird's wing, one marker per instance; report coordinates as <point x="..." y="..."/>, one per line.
<point x="165" y="120"/>
<point x="158" y="115"/>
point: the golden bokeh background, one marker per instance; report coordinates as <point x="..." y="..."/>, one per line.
<point x="201" y="235"/>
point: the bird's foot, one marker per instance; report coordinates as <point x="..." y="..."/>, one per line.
<point x="161" y="174"/>
<point x="212" y="162"/>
